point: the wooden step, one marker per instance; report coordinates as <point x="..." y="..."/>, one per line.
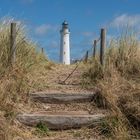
<point x="61" y="98"/>
<point x="61" y="120"/>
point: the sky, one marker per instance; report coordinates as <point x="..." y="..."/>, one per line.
<point x="43" y="19"/>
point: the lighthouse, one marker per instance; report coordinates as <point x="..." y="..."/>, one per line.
<point x="65" y="44"/>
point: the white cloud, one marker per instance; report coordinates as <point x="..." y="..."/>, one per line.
<point x="126" y="20"/>
<point x="87" y="34"/>
<point x="43" y="29"/>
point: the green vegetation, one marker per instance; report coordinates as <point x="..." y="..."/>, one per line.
<point x="42" y="129"/>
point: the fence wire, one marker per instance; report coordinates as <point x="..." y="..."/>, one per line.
<point x="82" y="59"/>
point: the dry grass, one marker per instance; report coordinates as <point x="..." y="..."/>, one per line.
<point x="118" y="80"/>
<point x="17" y="80"/>
<point x="119" y="84"/>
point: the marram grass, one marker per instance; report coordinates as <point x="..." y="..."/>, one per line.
<point x="18" y="79"/>
<point x="119" y="82"/>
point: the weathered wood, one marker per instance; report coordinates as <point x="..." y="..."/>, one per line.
<point x="94" y="48"/>
<point x="61" y="120"/>
<point x="103" y="45"/>
<point x="42" y="50"/>
<point x="86" y="57"/>
<point x="13" y="43"/>
<point x="60" y="98"/>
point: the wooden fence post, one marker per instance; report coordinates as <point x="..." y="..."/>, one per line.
<point x="86" y="57"/>
<point x="103" y="45"/>
<point x="94" y="48"/>
<point x="42" y="50"/>
<point x="13" y="43"/>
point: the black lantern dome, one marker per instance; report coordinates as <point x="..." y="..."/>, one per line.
<point x="65" y="24"/>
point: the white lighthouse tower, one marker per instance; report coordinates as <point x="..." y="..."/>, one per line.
<point x="65" y="44"/>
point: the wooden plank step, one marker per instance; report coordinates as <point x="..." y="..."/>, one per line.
<point x="61" y="120"/>
<point x="61" y="98"/>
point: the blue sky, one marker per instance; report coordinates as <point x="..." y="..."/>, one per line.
<point x="85" y="17"/>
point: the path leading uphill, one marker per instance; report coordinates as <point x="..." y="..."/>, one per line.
<point x="60" y="72"/>
<point x="64" y="107"/>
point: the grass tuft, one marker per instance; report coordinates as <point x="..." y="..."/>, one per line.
<point x="20" y="78"/>
<point x="42" y="129"/>
<point x="119" y="84"/>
